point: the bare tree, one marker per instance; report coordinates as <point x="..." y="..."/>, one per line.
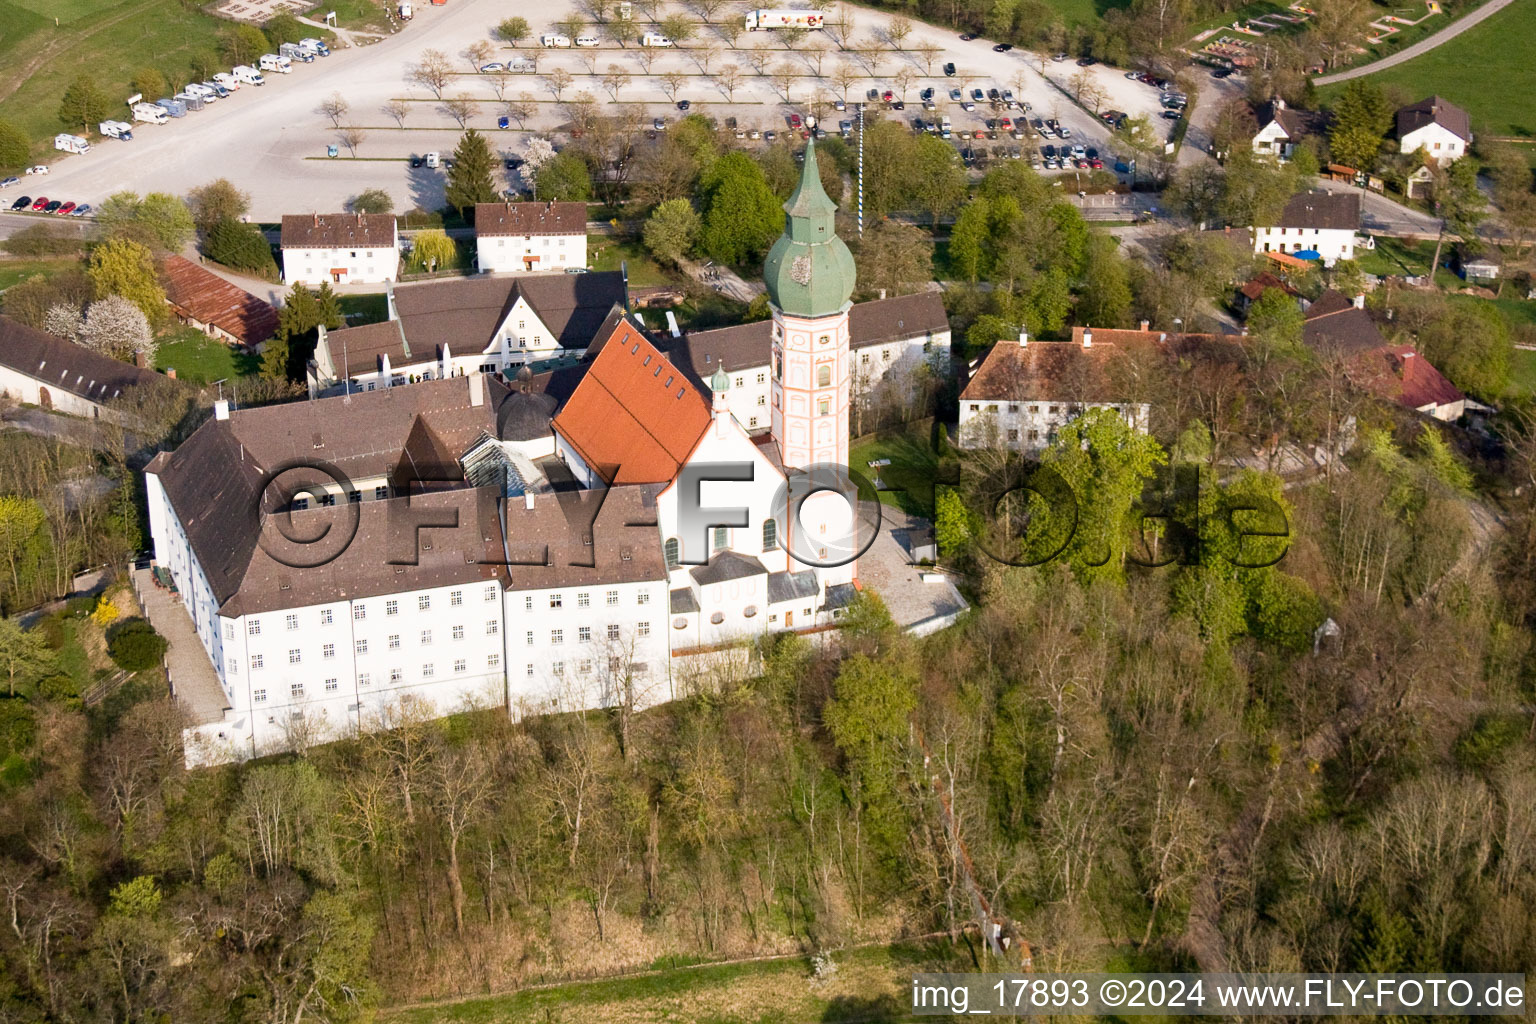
<point x="784" y="78"/>
<point x="397" y="109"/>
<point x="459" y="782"/>
<point x="897" y="31"/>
<point x="929" y="51"/>
<point x="616" y="79"/>
<point x="461" y="108"/>
<point x="815" y="54"/>
<point x="352" y="136"/>
<point x="904" y="79"/>
<point x="873" y="56"/>
<point x="646" y="56"/>
<point x="843" y="77"/>
<point x="707" y="8"/>
<point x="730" y="30"/>
<point x="335" y="107"/>
<point x="760" y="56"/>
<point x="706" y="55"/>
<point x="559" y="80"/>
<point x="431" y="72"/>
<point x="478" y="53"/>
<point x="500" y="81"/>
<point x="521" y="108"/>
<point x="729" y="78"/>
<point x="589" y="58"/>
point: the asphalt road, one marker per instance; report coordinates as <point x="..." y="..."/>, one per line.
<point x="1381" y="216"/>
<point x="272" y="140"/>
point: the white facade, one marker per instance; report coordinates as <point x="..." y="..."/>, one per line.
<point x="1437" y="141"/>
<point x="1273" y="140"/>
<point x="312" y="265"/>
<point x="499" y="254"/>
<point x="32" y="391"/>
<point x="811" y="373"/>
<point x="1031" y="425"/>
<point x="1333" y="244"/>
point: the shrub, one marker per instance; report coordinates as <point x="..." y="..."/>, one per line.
<point x="240" y="247"/>
<point x="43" y="240"/>
<point x="134" y="645"/>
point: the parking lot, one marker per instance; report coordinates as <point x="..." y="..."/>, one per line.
<point x="273" y="140"/>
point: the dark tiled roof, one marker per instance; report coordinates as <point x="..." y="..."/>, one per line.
<point x="530" y="219"/>
<point x="791" y="586"/>
<point x="1298" y="124"/>
<point x="726" y="566"/>
<point x="840" y="595"/>
<point x="338" y="230"/>
<point x="64" y="366"/>
<point x="356" y="351"/>
<point x="465" y="313"/>
<point x="1334" y="325"/>
<point x="1434" y="110"/>
<point x="205" y="296"/>
<point x="582" y="538"/>
<point x="683" y="601"/>
<point x="1338" y="211"/>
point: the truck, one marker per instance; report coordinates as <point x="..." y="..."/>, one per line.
<point x="191" y="101"/>
<point x="654" y="39"/>
<point x="71" y="143"/>
<point x="315" y="46"/>
<point x="293" y="51"/>
<point x="276" y="62"/>
<point x="247" y="74"/>
<point x="227" y="80"/>
<point x="150" y="113"/>
<point x="172" y="106"/>
<point x="784" y="19"/>
<point x="116" y="130"/>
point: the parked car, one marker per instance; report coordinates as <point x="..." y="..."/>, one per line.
<point x="1006" y="124"/>
<point x="840" y="105"/>
<point x="949" y="70"/>
<point x="1007" y="95"/>
<point x="41" y="202"/>
<point x="8" y="182"/>
<point x="1002" y="47"/>
<point x="1172" y="115"/>
<point x="967" y="106"/>
<point x="38" y="169"/>
<point x="966" y="37"/>
<point x="794" y="120"/>
<point x="994" y="94"/>
<point x="1086" y="62"/>
<point x="899" y="105"/>
<point x="955" y="94"/>
<point x="1064" y="132"/>
<point x="81" y="210"/>
<point x="1222" y="73"/>
<point x="683" y="104"/>
<point x="65" y="210"/>
<point x="888" y="95"/>
<point x="978" y="95"/>
<point x="753" y="133"/>
<point x="1091" y="153"/>
<point x="730" y="122"/>
<point x="22" y="203"/>
<point x="503" y="121"/>
<point x="53" y="207"/>
<point x="1049" y="151"/>
<point x="873" y="95"/>
<point x="770" y="135"/>
<point x="493" y="66"/>
<point x="1061" y="57"/>
<point x="659" y="124"/>
<point x="417" y="161"/>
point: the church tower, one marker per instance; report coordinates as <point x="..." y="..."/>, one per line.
<point x="810" y="275"/>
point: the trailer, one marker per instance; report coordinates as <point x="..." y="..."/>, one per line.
<point x="522" y="66"/>
<point x="784" y="19"/>
<point x="71" y="143"/>
<point x="116" y="130"/>
<point x="276" y="62"/>
<point x="150" y="113"/>
<point x="172" y="106"/>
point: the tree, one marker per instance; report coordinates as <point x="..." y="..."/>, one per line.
<point x="868" y="719"/>
<point x="150" y="83"/>
<point x="929" y="52"/>
<point x="126" y="268"/>
<point x="65" y="322"/>
<point x="617" y="79"/>
<point x="894" y="258"/>
<point x="284" y="28"/>
<point x="559" y="80"/>
<point x="1470" y="344"/>
<point x="729" y="78"/>
<point x="706" y="55"/>
<point x="521" y="109"/>
<point x="904" y="78"/>
<point x="672" y="230"/>
<point x="218" y="200"/>
<point x="15" y="147"/>
<point x="512" y="29"/>
<point x="1275" y="319"/>
<point x="622" y="29"/>
<point x="843" y="77"/>
<point x="30" y="300"/>
<point x="116" y="327"/>
<point x="158" y="220"/>
<point x="784" y="79"/>
<point x="372" y="200"/>
<point x="352" y="136"/>
<point x="244" y="44"/>
<point x="742" y="215"/>
<point x="671" y="81"/>
<point x="1361" y="119"/>
<point x="134" y="645"/>
<point x="470" y="178"/>
<point x="397" y="109"/>
<point x="461" y="108"/>
<point x="1106" y="294"/>
<point x="478" y="53"/>
<point x="432" y="250"/>
<point x="240" y="246"/>
<point x="678" y="28"/>
<point x="83" y="105"/>
<point x="565" y="178"/>
<point x="335" y="107"/>
<point x="897" y="31"/>
<point x="432" y="71"/>
<point x="24" y="653"/>
<point x="571" y="26"/>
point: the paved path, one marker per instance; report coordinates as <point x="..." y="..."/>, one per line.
<point x="1407" y="53"/>
<point x="1381" y="216"/>
<point x="193" y="682"/>
<point x="723" y="280"/>
<point x="348" y="36"/>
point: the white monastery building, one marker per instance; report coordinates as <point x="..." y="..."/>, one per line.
<point x="521" y="237"/>
<point x="340" y="248"/>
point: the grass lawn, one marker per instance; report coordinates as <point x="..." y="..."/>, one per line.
<point x="201" y="359"/>
<point x="365" y="309"/>
<point x="606" y="253"/>
<point x="12" y="271"/>
<point x="1522" y="377"/>
<point x="907" y="483"/>
<point x="363" y="14"/>
<point x="1396" y="256"/>
<point x="38" y="60"/>
<point x="1490" y="70"/>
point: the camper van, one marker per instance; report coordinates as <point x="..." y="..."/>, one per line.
<point x="71" y="143"/>
<point x="434" y="159"/>
<point x="150" y="113"/>
<point x="551" y="40"/>
<point x="116" y="130"/>
<point x="247" y="74"/>
<point x="227" y="80"/>
<point x="293" y="51"/>
<point x="316" y="46"/>
<point x="404" y="11"/>
<point x="275" y="62"/>
<point x="587" y="41"/>
<point x="654" y="39"/>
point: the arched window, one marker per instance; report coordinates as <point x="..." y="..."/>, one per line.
<point x="770" y="534"/>
<point x="674" y="559"/>
<point x="722" y="538"/>
<point x="824" y="376"/>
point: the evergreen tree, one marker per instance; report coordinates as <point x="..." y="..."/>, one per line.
<point x="83" y="105"/>
<point x="470" y="178"/>
<point x="240" y="247"/>
<point x="1361" y="120"/>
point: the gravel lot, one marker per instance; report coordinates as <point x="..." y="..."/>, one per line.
<point x="272" y="140"/>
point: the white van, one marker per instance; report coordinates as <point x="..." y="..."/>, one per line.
<point x="247" y="74"/>
<point x="587" y="40"/>
<point x="434" y="159"/>
<point x="554" y="41"/>
<point x="654" y="39"/>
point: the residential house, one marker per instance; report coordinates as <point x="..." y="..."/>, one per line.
<point x="39" y="369"/>
<point x="204" y="300"/>
<point x="1320" y="222"/>
<point x="521" y="237"/>
<point x="1439" y="128"/>
<point x="1283" y="128"/>
<point x="340" y="248"/>
<point x="1248" y="293"/>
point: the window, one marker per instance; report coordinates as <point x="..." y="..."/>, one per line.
<point x="361" y="647"/>
<point x="327" y="651"/>
<point x="231" y="666"/>
<point x="332" y="685"/>
<point x="722" y="537"/>
<point x="492" y="627"/>
<point x="863" y="358"/>
<point x="428" y="670"/>
<point x="455" y="598"/>
<point x="423" y="602"/>
<point x="717" y="618"/>
<point x="741" y="382"/>
<point x="460" y="665"/>
<point x="426" y="638"/>
<point x="679" y="623"/>
<point x="644" y="597"/>
<point x="253" y="628"/>
<point x="229" y="631"/>
<point x="528" y="603"/>
<point x="260" y="696"/>
<point x="364" y="680"/>
<point x="490" y="592"/>
<point x="391" y="607"/>
<point x="824" y="407"/>
<point x="823" y="376"/>
<point x="752" y="422"/>
<point x="556" y="600"/>
<point x="359" y="612"/>
<point x="584" y="666"/>
<point x="762" y="377"/>
<point x="394" y="641"/>
<point x="1013" y="435"/>
<point x="642" y="629"/>
<point x="761" y="400"/>
<point x="529" y="636"/>
<point x="255" y="662"/>
<point x="379" y="493"/>
<point x="396" y="674"/>
<point x="584" y="634"/>
<point x="770" y="534"/>
<point x="750" y="611"/>
<point x="613" y="632"/>
<point x="296" y="691"/>
<point x="325" y="616"/>
<point x="458" y="632"/>
<point x="492" y="660"/>
<point x="557" y="636"/>
<point x="583" y="600"/>
<point x="674" y="559"/>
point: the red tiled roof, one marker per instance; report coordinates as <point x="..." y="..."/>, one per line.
<point x="1417" y="382"/>
<point x="1255" y="288"/>
<point x="635" y="416"/>
<point x="205" y="296"/>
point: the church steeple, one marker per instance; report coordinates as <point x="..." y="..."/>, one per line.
<point x="809" y="271"/>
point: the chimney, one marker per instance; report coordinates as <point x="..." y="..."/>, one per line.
<point x="221" y="409"/>
<point x="1023" y="337"/>
<point x="677" y="332"/>
<point x="141" y="359"/>
<point x="527" y="499"/>
<point x="1279" y="103"/>
<point x="1146" y="325"/>
<point x="317" y="220"/>
<point x="170" y="371"/>
<point x="1360" y="301"/>
<point x="476" y="392"/>
<point x="1087" y="337"/>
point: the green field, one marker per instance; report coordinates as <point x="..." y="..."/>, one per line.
<point x="201" y="359"/>
<point x="1490" y="70"/>
<point x="908" y="481"/>
<point x="12" y="271"/>
<point x="107" y="39"/>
